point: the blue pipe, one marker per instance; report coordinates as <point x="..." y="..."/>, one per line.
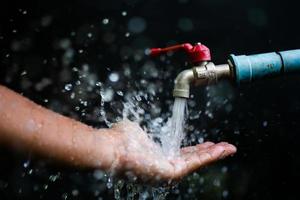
<point x="249" y="68"/>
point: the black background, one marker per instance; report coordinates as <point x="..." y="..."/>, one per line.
<point x="267" y="163"/>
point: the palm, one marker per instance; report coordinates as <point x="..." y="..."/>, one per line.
<point x="140" y="157"/>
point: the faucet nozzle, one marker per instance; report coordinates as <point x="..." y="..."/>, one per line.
<point x="182" y="84"/>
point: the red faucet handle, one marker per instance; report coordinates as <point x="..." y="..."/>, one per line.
<point x="197" y="53"/>
<point x="155" y="52"/>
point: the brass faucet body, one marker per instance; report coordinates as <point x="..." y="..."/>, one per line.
<point x="202" y="74"/>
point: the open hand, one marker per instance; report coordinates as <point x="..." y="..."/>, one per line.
<point x="140" y="158"/>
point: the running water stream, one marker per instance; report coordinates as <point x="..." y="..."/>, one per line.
<point x="173" y="132"/>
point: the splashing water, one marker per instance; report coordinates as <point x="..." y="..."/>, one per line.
<point x="139" y="107"/>
<point x="170" y="135"/>
<point x="173" y="132"/>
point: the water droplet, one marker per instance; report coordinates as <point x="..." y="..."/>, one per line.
<point x="90" y="35"/>
<point x="68" y="87"/>
<point x="78" y="82"/>
<point x="99" y="84"/>
<point x="117" y="189"/>
<point x="26" y="164"/>
<point x="225" y="193"/>
<point x="124" y="13"/>
<point x="127" y="34"/>
<point x="120" y="93"/>
<point x="84" y="103"/>
<point x="200" y="140"/>
<point x="138" y="98"/>
<point x="114" y="77"/>
<point x="98" y="174"/>
<point x="265" y="124"/>
<point x="147" y="51"/>
<point x="72" y="96"/>
<point x="23" y="73"/>
<point x="109" y="183"/>
<point x="24" y="12"/>
<point x="64" y="196"/>
<point x="54" y="178"/>
<point x="105" y="21"/>
<point x="75" y="192"/>
<point x="208" y="104"/>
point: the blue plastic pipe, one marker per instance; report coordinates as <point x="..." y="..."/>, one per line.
<point x="249" y="68"/>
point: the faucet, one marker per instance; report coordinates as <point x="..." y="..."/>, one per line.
<point x="240" y="69"/>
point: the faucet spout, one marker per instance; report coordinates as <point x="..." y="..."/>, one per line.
<point x="182" y="83"/>
<point x="204" y="74"/>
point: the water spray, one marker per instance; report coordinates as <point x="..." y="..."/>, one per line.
<point x="240" y="69"/>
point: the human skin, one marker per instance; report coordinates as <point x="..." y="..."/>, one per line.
<point x="125" y="149"/>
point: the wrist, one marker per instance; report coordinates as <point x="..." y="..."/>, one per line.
<point x="105" y="148"/>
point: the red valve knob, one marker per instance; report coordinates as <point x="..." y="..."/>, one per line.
<point x="197" y="53"/>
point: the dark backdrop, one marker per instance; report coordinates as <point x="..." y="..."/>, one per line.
<point x="262" y="118"/>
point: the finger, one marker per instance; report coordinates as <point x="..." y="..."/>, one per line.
<point x="197" y="147"/>
<point x="200" y="159"/>
<point x="196" y="160"/>
<point x="229" y="149"/>
<point x="201" y="148"/>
